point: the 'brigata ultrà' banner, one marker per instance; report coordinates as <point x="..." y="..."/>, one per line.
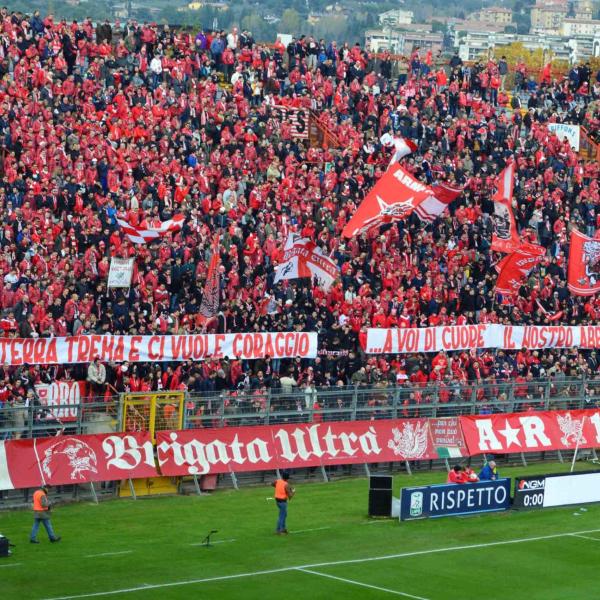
<point x="466" y="337"/>
<point x="104" y="457"/>
<point x="230" y="449"/>
<point x="142" y="348"/>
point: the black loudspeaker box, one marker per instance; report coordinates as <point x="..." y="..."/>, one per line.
<point x="380" y="482"/>
<point x="380" y="503"/>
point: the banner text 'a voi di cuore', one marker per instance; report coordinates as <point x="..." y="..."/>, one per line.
<point x="468" y="337"/>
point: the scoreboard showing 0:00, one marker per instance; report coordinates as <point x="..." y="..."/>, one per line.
<point x="544" y="491"/>
<point x="529" y="492"/>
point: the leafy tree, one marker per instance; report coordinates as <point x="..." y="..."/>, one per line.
<point x="260" y="29"/>
<point x="291" y="22"/>
<point x="516" y="52"/>
<point x="438" y="27"/>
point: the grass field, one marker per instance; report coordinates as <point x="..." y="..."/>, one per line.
<point x="149" y="549"/>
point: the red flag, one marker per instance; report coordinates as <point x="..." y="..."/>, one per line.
<point x="505" y="237"/>
<point x="442" y="194"/>
<point x="514" y="270"/>
<point x="394" y="197"/>
<point x="584" y="265"/>
<point x="209" y="306"/>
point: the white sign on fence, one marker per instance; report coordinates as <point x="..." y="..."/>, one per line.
<point x="565" y="130"/>
<point x="121" y="271"/>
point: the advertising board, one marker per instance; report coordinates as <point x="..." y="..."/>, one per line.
<point x="452" y="499"/>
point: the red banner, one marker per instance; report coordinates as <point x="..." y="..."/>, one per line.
<point x="67" y="459"/>
<point x="238" y="449"/>
<point x="505" y="237"/>
<point x="584" y="265"/>
<point x="531" y="431"/>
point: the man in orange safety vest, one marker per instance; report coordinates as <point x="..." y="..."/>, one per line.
<point x="41" y="514"/>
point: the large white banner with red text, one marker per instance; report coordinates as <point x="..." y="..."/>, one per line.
<point x="66" y="459"/>
<point x="142" y="348"/>
<point x="234" y="449"/>
<point x="531" y="431"/>
<point x="467" y="337"/>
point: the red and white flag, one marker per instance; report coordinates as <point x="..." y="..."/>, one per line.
<point x="442" y="195"/>
<point x="514" y="270"/>
<point x="402" y="147"/>
<point x="303" y="258"/>
<point x="584" y="265"/>
<point x="505" y="237"/>
<point x="143" y="235"/>
<point x="393" y="198"/>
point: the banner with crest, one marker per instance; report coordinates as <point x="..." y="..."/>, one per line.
<point x="531" y="431"/>
<point x="584" y="265"/>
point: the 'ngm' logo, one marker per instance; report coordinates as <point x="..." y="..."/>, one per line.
<point x="531" y="484"/>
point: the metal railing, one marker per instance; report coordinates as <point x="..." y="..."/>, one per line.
<point x="92" y="415"/>
<point x="229" y="409"/>
<point x="308" y="404"/>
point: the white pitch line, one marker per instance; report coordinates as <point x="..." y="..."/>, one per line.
<point x="326" y="564"/>
<point x="448" y="549"/>
<point x="305" y="530"/>
<point x="108" y="554"/>
<point x="11" y="565"/>
<point x="360" y="583"/>
<point x="585" y="537"/>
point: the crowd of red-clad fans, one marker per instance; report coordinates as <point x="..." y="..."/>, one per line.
<point x="144" y="122"/>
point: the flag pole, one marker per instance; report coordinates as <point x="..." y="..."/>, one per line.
<point x="577" y="445"/>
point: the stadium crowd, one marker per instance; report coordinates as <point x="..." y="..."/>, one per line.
<point x="146" y="122"/>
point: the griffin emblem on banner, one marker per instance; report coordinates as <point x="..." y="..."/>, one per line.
<point x="79" y="455"/>
<point x="572" y="430"/>
<point x="591" y="259"/>
<point x="411" y="442"/>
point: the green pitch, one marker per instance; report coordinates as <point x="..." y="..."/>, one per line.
<point x="149" y="549"/>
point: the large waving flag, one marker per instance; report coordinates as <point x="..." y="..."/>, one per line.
<point x="303" y="258"/>
<point x="505" y="237"/>
<point x="514" y="269"/>
<point x="393" y="198"/>
<point x="584" y="265"/>
<point x="143" y="235"/>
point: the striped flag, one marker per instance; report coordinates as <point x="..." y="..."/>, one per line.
<point x="442" y="194"/>
<point x="298" y="117"/>
<point x="143" y="235"/>
<point x="449" y="452"/>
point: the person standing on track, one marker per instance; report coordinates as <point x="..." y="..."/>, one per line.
<point x="41" y="514"/>
<point x="283" y="493"/>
